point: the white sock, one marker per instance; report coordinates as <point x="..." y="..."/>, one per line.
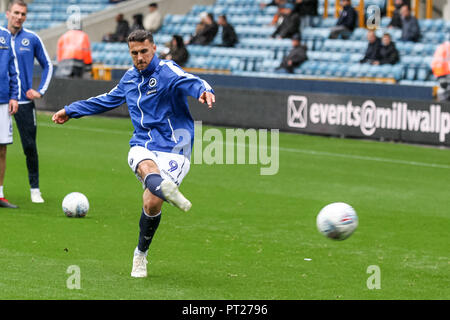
<point x="34" y="190"/>
<point x="1" y="192"/>
<point x="139" y="252"/>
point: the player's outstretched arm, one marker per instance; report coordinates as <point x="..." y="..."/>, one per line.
<point x="208" y="98"/>
<point x="60" y="117"/>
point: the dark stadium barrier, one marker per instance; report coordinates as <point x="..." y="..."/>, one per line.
<point x="412" y="121"/>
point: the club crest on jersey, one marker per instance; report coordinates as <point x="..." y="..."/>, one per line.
<point x="2" y="40"/>
<point x="152" y="83"/>
<point x="25" y="42"/>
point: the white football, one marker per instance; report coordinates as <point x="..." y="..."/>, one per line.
<point x="337" y="221"/>
<point x="75" y="204"/>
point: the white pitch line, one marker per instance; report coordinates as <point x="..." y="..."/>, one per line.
<point x="367" y="158"/>
<point x="292" y="150"/>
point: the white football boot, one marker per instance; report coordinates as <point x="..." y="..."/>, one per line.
<point x="174" y="196"/>
<point x="139" y="266"/>
<point x="36" y="196"/>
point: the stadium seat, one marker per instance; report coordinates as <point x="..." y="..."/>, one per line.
<point x="410" y="74"/>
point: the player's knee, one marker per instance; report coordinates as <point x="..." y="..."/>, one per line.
<point x="2" y="150"/>
<point x="147" y="166"/>
<point x="152" y="204"/>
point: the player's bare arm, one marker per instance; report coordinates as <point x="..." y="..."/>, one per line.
<point x="60" y="117"/>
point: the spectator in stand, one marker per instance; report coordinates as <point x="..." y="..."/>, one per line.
<point x="276" y="21"/>
<point x="74" y="54"/>
<point x="296" y="56"/>
<point x="205" y="34"/>
<point x="373" y="48"/>
<point x="229" y="36"/>
<point x="201" y="25"/>
<point x="396" y="21"/>
<point x="440" y="65"/>
<point x="388" y="51"/>
<point x="410" y="26"/>
<point x="137" y="22"/>
<point x="307" y="9"/>
<point x="290" y="25"/>
<point x="153" y="20"/>
<point x="177" y="51"/>
<point x="121" y="33"/>
<point x="346" y="22"/>
<point x="277" y="3"/>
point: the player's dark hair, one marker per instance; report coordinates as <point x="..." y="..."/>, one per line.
<point x="140" y="36"/>
<point x="19" y="2"/>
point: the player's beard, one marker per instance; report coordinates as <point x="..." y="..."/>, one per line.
<point x="142" y="65"/>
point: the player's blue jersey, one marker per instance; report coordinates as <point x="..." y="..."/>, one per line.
<point x="29" y="45"/>
<point x="157" y="103"/>
<point x="9" y="70"/>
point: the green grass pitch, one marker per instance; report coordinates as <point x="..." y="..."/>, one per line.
<point x="247" y="236"/>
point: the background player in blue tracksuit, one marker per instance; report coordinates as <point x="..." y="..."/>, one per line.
<point x="156" y="94"/>
<point x="9" y="96"/>
<point x="28" y="46"/>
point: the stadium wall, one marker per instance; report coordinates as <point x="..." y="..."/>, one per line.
<point x="358" y="116"/>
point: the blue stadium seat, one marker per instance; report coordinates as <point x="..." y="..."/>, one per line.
<point x="422" y="74"/>
<point x="405" y="48"/>
<point x="425" y="25"/>
<point x="331" y="69"/>
<point x="359" y="34"/>
<point x="355" y="57"/>
<point x="341" y="69"/>
<point x="352" y="71"/>
<point x="328" y="22"/>
<point x="410" y="74"/>
<point x="385" y="22"/>
<point x="411" y="61"/>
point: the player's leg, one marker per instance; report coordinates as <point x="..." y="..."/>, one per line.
<point x="148" y="224"/>
<point x="26" y="125"/>
<point x="2" y="168"/>
<point x="144" y="164"/>
<point x="6" y="137"/>
<point x="152" y="201"/>
<point x="165" y="189"/>
<point x="149" y="173"/>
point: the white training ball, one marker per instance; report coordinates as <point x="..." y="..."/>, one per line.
<point x="337" y="221"/>
<point x="75" y="204"/>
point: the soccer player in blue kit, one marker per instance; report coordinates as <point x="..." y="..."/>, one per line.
<point x="156" y="94"/>
<point x="28" y="46"/>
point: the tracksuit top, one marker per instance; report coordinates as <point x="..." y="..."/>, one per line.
<point x="9" y="69"/>
<point x="157" y="104"/>
<point x="28" y="45"/>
